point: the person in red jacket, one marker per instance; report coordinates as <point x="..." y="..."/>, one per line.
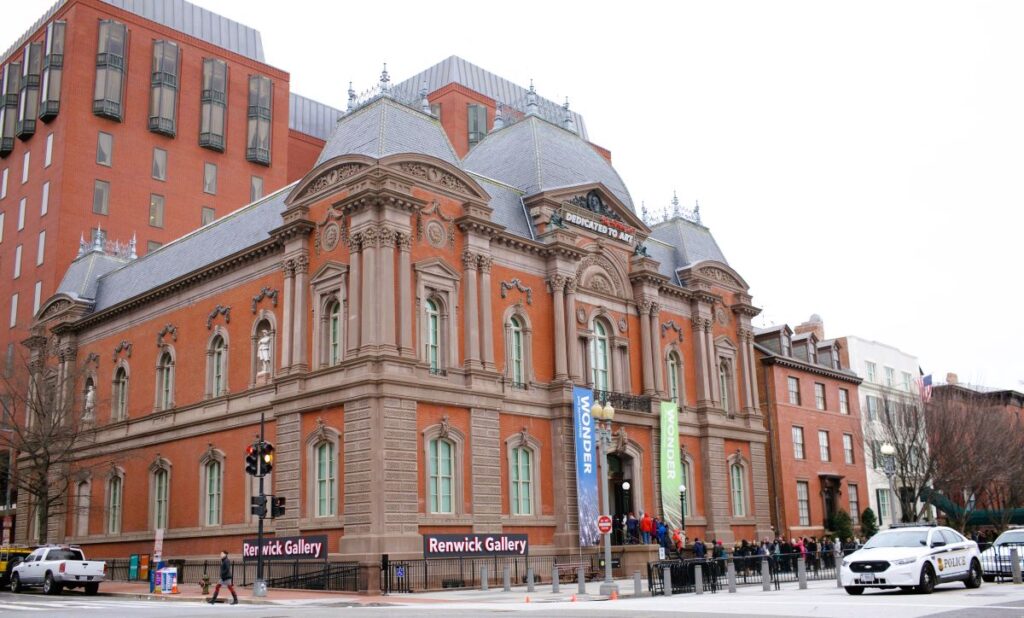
<point x="646" y="528"/>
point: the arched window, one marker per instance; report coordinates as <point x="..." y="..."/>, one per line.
<point x="82" y="503"/>
<point x="686" y="474"/>
<point x="165" y="382"/>
<point x="120" y="399"/>
<point x="161" y="487"/>
<point x="521" y="471"/>
<point x="675" y="368"/>
<point x="326" y="489"/>
<point x="440" y="476"/>
<point x="433" y="339"/>
<point x="600" y="359"/>
<point x="738" y="486"/>
<point x="517" y="370"/>
<point x="334" y="343"/>
<point x="724" y="384"/>
<point x="217" y="380"/>
<point x="213" y="483"/>
<point x="114" y="500"/>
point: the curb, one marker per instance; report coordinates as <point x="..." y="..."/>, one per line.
<point x="177" y="598"/>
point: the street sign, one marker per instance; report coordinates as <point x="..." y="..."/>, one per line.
<point x="604" y="524"/>
<point x="158" y="545"/>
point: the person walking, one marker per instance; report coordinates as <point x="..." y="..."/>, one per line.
<point x="699" y="551"/>
<point x="225" y="580"/>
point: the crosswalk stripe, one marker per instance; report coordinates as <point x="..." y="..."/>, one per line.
<point x="28" y="608"/>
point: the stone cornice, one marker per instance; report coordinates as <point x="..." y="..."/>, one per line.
<point x="793" y="363"/>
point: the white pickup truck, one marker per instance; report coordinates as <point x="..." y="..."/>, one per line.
<point x="55" y="567"/>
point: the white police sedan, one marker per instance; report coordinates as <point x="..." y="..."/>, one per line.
<point x="912" y="557"/>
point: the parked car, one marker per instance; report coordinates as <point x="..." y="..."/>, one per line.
<point x="912" y="557"/>
<point x="995" y="561"/>
<point x="55" y="567"/>
<point x="10" y="556"/>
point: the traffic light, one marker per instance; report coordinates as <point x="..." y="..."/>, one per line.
<point x="277" y="506"/>
<point x="266" y="459"/>
<point x="252" y="459"/>
<point x="258" y="506"/>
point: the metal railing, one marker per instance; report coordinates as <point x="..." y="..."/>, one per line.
<point x="296" y="574"/>
<point x="996" y="563"/>
<point x="624" y="401"/>
<point x="440" y="573"/>
<point x="782" y="568"/>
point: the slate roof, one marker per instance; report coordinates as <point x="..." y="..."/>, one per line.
<point x="311" y="117"/>
<point x="228" y="235"/>
<point x="385" y="127"/>
<point x="455" y="70"/>
<point x="535" y="155"/>
<point x="80" y="280"/>
<point x="508" y="206"/>
<point x="692" y="241"/>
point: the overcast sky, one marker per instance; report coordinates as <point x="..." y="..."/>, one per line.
<point x="859" y="160"/>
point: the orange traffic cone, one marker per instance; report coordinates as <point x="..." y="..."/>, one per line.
<point x="615" y="595"/>
<point x="527" y="599"/>
<point x="573" y="599"/>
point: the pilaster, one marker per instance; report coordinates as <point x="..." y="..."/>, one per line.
<point x="759" y="472"/>
<point x="287" y="471"/>
<point x="716" y="494"/>
<point x="485" y="444"/>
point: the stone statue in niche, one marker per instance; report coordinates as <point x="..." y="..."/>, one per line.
<point x="90" y="402"/>
<point x="263" y="357"/>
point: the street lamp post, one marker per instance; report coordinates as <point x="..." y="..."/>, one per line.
<point x="682" y="507"/>
<point x="889" y="468"/>
<point x="604" y="441"/>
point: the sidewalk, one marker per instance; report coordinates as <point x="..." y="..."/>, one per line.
<point x="193" y="592"/>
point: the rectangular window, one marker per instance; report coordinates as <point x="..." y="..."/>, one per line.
<point x="876" y="454"/>
<point x="794" y="391"/>
<point x="869" y="369"/>
<point x="854" y="504"/>
<point x="101" y="197"/>
<point x="9" y="361"/>
<point x="844" y="401"/>
<point x="477" y="123"/>
<point x="153" y="245"/>
<point x="14" y="309"/>
<point x="48" y="153"/>
<point x="159" y="164"/>
<point x="890" y="377"/>
<point x="17" y="261"/>
<point x="44" y="205"/>
<point x="435" y="110"/>
<point x="210" y="178"/>
<point x="9" y="106"/>
<point x="819" y="396"/>
<point x="798" y="443"/>
<point x="906" y="381"/>
<point x="25" y="160"/>
<point x="163" y="93"/>
<point x="872" y="408"/>
<point x="22" y="205"/>
<point x="213" y="102"/>
<point x="258" y="139"/>
<point x="36" y="297"/>
<point x="105" y="149"/>
<point x="882" y="500"/>
<point x="3" y="183"/>
<point x="41" y="248"/>
<point x="803" y="502"/>
<point x="823" y="447"/>
<point x="1" y="226"/>
<point x="848" y="448"/>
<point x="53" y="69"/>
<point x="255" y="188"/>
<point x="208" y="215"/>
<point x="156" y="210"/>
<point x="111" y="51"/>
<point x="28" y="105"/>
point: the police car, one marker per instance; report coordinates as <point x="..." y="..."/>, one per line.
<point x="914" y="557"/>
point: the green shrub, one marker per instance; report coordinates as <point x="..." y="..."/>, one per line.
<point x="868" y="523"/>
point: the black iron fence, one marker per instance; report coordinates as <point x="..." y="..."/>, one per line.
<point x="683" y="575"/>
<point x="439" y="573"/>
<point x="305" y="574"/>
<point x="782" y="568"/>
<point x="996" y="560"/>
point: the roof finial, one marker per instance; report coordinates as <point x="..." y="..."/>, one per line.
<point x="98" y="239"/>
<point x="82" y="247"/>
<point x="675" y="205"/>
<point x="424" y="102"/>
<point x="385" y="81"/>
<point x="644" y="215"/>
<point x="531" y="101"/>
<point x="351" y="97"/>
<point x="696" y="210"/>
<point x="567" y="122"/>
<point x="499" y="119"/>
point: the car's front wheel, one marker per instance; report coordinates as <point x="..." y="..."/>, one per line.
<point x="927" y="582"/>
<point x="854" y="590"/>
<point x="973" y="575"/>
<point x="15" y="583"/>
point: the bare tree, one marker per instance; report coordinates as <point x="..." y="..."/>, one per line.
<point x="902" y="423"/>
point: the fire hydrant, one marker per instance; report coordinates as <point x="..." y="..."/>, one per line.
<point x="205" y="584"/>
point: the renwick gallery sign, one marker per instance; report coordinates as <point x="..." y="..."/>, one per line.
<point x="592" y="213"/>
<point x="467" y="545"/>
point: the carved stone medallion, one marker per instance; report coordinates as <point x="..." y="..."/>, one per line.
<point x="622" y="325"/>
<point x="331" y="236"/>
<point x="436" y="234"/>
<point x="722" y="316"/>
<point x="581" y="315"/>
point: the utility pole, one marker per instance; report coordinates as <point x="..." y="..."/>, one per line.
<point x="259" y="589"/>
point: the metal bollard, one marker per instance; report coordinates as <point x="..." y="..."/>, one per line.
<point x="801" y="573"/>
<point x="637" y="590"/>
<point x="483" y="578"/>
<point x="1015" y="564"/>
<point x="698" y="579"/>
<point x="666" y="579"/>
<point x="506" y="579"/>
<point x="529" y="579"/>
<point x="554" y="579"/>
<point x="766" y="576"/>
<point x="581" y="581"/>
<point x="730" y="572"/>
<point x="839" y="567"/>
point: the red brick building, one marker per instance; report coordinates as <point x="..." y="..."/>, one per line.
<point x="811" y="412"/>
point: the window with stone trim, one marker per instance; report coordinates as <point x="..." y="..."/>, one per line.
<point x="803" y="503"/>
<point x="325" y="480"/>
<point x="119" y="398"/>
<point x="738" y="488"/>
<point x="332" y="332"/>
<point x="518" y="348"/>
<point x="83" y="499"/>
<point x="433" y="340"/>
<point x="854" y="503"/>
<point x="165" y="379"/>
<point x="515" y="351"/>
<point x="686" y="476"/>
<point x="725" y="384"/>
<point x="675" y="378"/>
<point x="329" y="285"/>
<point x="443" y="450"/>
<point x="115" y="501"/>
<point x="600" y="356"/>
<point x="522" y="452"/>
<point x="159" y="493"/>
<point x="217" y="364"/>
<point x="211" y="482"/>
<point x="437" y="291"/>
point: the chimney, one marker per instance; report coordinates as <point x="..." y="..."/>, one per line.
<point x="951" y="378"/>
<point x="813" y="325"/>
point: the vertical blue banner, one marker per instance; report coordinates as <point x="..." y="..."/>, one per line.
<point x="586" y="466"/>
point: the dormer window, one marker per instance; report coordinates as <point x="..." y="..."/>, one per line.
<point x="787" y="345"/>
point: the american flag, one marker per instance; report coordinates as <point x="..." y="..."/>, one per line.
<point x="924" y="383"/>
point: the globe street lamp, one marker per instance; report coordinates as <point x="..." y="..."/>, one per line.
<point x="889" y="468"/>
<point x="682" y="507"/>
<point x="627" y="506"/>
<point x="604" y="441"/>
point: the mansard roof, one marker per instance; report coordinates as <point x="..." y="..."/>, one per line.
<point x="80" y="280"/>
<point x="385" y="127"/>
<point x="535" y="155"/>
<point x="690" y="242"/>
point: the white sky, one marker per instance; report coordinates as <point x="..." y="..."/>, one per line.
<point x="859" y="160"/>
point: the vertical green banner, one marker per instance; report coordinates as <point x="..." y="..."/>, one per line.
<point x="670" y="465"/>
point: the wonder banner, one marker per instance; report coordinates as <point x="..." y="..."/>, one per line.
<point x="586" y="466"/>
<point x="671" y="469"/>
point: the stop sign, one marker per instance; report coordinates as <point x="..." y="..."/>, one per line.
<point x="604" y="524"/>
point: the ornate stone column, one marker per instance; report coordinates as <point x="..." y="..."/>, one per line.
<point x="368" y="331"/>
<point x="645" y="306"/>
<point x="288" y="266"/>
<point x="659" y="380"/>
<point x="486" y="318"/>
<point x="300" y="319"/>
<point x="703" y="387"/>
<point x="746" y="336"/>
<point x="570" y="328"/>
<point x="557" y="283"/>
<point x="386" y="288"/>
<point x="716" y="395"/>
<point x="472" y="311"/>
<point x="355" y="281"/>
<point x="404" y="295"/>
